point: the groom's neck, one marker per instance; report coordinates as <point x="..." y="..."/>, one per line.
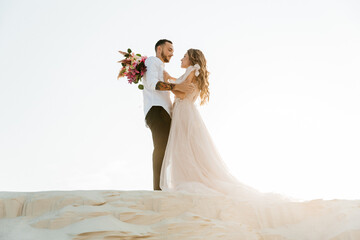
<point x="159" y="56"/>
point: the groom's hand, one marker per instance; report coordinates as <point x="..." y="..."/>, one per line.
<point x="185" y="86"/>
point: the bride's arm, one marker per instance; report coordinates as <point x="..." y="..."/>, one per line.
<point x="167" y="77"/>
<point x="188" y="80"/>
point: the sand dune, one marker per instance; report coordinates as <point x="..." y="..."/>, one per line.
<point x="110" y="215"/>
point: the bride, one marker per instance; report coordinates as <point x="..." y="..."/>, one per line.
<point x="191" y="162"/>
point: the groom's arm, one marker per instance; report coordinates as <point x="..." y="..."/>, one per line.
<point x="166" y="85"/>
<point x="183" y="87"/>
<point x="163" y="86"/>
<point x="178" y="89"/>
<point x="153" y="82"/>
<point x="152" y="77"/>
<point x="181" y="92"/>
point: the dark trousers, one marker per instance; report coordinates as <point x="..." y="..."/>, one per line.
<point x="159" y="123"/>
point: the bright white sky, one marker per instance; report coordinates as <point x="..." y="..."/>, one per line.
<point x="285" y="92"/>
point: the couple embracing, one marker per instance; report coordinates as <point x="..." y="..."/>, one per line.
<point x="184" y="157"/>
<point x="186" y="160"/>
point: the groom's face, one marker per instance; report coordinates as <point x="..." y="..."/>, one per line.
<point x="167" y="52"/>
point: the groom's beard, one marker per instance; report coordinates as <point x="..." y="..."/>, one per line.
<point x="165" y="58"/>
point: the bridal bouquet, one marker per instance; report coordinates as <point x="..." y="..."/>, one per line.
<point x="133" y="67"/>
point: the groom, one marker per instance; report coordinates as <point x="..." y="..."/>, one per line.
<point x="157" y="102"/>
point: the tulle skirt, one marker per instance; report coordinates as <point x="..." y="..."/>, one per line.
<point x="193" y="165"/>
<point x="192" y="162"/>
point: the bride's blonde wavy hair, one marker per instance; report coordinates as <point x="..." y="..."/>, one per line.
<point x="197" y="57"/>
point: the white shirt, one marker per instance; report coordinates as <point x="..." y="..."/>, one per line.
<point x="153" y="97"/>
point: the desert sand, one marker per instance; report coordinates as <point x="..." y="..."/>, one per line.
<point x="110" y="215"/>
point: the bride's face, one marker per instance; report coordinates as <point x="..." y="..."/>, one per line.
<point x="185" y="61"/>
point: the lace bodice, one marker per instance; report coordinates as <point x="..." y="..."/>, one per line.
<point x="194" y="94"/>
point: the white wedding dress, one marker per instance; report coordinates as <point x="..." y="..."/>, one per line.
<point x="191" y="162"/>
<point x="192" y="165"/>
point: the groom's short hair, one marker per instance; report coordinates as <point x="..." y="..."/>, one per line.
<point x="161" y="42"/>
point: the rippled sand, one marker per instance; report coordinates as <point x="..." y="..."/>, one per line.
<point x="111" y="215"/>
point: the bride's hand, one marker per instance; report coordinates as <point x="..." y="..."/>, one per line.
<point x="167" y="76"/>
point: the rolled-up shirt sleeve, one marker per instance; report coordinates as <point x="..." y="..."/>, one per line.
<point x="152" y="74"/>
<point x="172" y="81"/>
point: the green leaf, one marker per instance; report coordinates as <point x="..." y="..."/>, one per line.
<point x="129" y="50"/>
<point x="141" y="87"/>
<point x="138" y="55"/>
